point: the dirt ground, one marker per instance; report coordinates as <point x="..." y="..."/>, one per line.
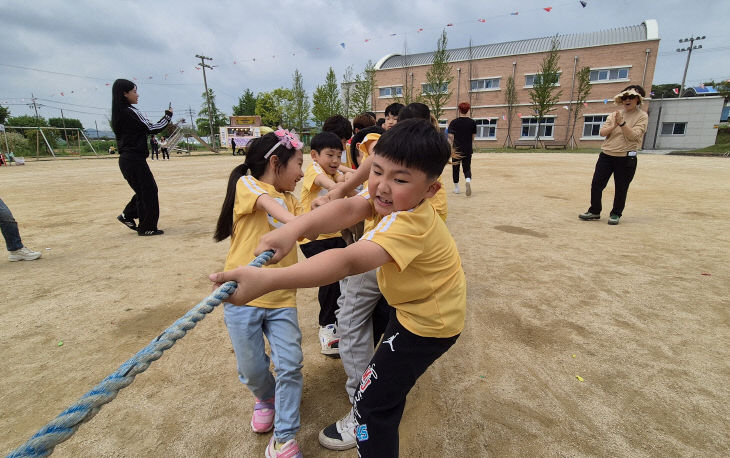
<point x="639" y="311"/>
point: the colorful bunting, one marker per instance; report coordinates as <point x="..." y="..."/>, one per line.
<point x="548" y="9"/>
<point x="514" y="14"/>
<point x="582" y="3"/>
<point x="343" y="45"/>
<point x="419" y="30"/>
<point x="482" y="20"/>
<point x="449" y="24"/>
<point x="676" y="90"/>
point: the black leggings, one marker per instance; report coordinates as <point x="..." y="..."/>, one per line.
<point x="623" y="169"/>
<point x="144" y="204"/>
<point x="466" y="162"/>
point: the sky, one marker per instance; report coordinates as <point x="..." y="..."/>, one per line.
<point x="67" y="54"/>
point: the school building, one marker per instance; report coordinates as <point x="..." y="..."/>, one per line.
<point x="617" y="58"/>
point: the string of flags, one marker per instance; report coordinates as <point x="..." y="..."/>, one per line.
<point x="237" y="60"/>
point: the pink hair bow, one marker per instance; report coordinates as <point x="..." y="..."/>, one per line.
<point x="289" y="139"/>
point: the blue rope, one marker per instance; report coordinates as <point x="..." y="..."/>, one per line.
<point x="67" y="422"/>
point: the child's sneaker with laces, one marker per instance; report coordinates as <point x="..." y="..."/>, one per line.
<point x="329" y="340"/>
<point x="289" y="449"/>
<point x="262" y="419"/>
<point x="340" y="435"/>
<point x="24" y="254"/>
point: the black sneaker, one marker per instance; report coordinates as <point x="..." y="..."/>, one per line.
<point x="151" y="232"/>
<point x="129" y="222"/>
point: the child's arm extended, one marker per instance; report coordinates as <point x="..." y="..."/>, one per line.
<point x="345" y="169"/>
<point x="267" y="204"/>
<point x="328" y="218"/>
<point x="322" y="269"/>
<point x="323" y="181"/>
<point x="347" y="187"/>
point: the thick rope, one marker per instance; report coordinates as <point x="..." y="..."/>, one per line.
<point x="65" y="425"/>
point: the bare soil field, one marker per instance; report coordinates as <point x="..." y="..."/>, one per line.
<point x="581" y="339"/>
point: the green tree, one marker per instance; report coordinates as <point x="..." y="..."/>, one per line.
<point x="219" y="118"/>
<point x="722" y="87"/>
<point x="664" y="91"/>
<point x="246" y="104"/>
<point x="4" y="114"/>
<point x="510" y="100"/>
<point x="544" y="94"/>
<point x="326" y="99"/>
<point x="17" y="143"/>
<point x="583" y="91"/>
<point x="68" y="122"/>
<point x="299" y="104"/>
<point x="438" y="79"/>
<point x="275" y="107"/>
<point x="362" y="92"/>
<point x="348" y="83"/>
<point x="32" y="135"/>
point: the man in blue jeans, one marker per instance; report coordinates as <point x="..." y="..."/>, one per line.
<point x="9" y="228"/>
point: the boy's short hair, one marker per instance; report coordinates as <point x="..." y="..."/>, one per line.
<point x="372" y="115"/>
<point x="393" y="109"/>
<point x="362" y="121"/>
<point x="339" y="125"/>
<point x="325" y="140"/>
<point x="414" y="143"/>
<point x="415" y="110"/>
<point x="380" y="122"/>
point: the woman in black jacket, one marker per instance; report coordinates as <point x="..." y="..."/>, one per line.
<point x="131" y="129"/>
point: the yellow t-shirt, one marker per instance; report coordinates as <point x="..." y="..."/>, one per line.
<point x="425" y="282"/>
<point x="439" y="201"/>
<point x="311" y="191"/>
<point x="249" y="224"/>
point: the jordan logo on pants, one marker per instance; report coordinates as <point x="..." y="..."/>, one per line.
<point x="390" y="341"/>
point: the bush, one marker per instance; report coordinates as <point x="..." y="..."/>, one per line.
<point x="17" y="142"/>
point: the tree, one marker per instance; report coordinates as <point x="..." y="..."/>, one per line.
<point x="246" y="104"/>
<point x="4" y="114"/>
<point x="300" y="103"/>
<point x="69" y="123"/>
<point x="326" y="99"/>
<point x="584" y="90"/>
<point x="32" y="134"/>
<point x="722" y="87"/>
<point x="664" y="91"/>
<point x="348" y="84"/>
<point x="510" y="100"/>
<point x="219" y="118"/>
<point x="362" y="93"/>
<point x="438" y="78"/>
<point x="544" y="93"/>
<point x="275" y="107"/>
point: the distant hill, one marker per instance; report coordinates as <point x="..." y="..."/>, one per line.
<point x="92" y="133"/>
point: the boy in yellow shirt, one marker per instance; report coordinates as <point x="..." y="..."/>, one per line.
<point x="319" y="178"/>
<point x="419" y="272"/>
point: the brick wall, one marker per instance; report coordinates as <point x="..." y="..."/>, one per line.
<point x="490" y="103"/>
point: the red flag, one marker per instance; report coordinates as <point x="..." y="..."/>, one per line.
<point x="482" y="20"/>
<point x="676" y="90"/>
<point x="449" y="24"/>
<point x="548" y="9"/>
<point x="419" y="30"/>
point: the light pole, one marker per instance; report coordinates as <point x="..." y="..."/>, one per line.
<point x="689" y="49"/>
<point x="203" y="65"/>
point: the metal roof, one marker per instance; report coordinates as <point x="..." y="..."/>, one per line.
<point x="645" y="31"/>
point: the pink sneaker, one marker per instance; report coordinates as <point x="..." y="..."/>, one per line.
<point x="289" y="450"/>
<point x="263" y="416"/>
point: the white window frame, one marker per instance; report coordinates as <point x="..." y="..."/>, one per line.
<point x="498" y="79"/>
<point x="674" y="125"/>
<point x="537" y="73"/>
<point x="543" y="126"/>
<point x="593" y="137"/>
<point x="491" y="124"/>
<point x="392" y="87"/>
<point x="443" y="91"/>
<point x="609" y="79"/>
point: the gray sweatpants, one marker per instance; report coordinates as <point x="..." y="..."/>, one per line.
<point x="360" y="295"/>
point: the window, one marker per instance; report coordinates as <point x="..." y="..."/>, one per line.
<point x="530" y="80"/>
<point x="600" y="75"/>
<point x="427" y="89"/>
<point x="390" y="91"/>
<point x="486" y="128"/>
<point x="485" y="84"/>
<point x="592" y="125"/>
<point x="674" y="128"/>
<point x="529" y="127"/>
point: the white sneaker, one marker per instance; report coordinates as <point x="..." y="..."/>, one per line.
<point x="468" y="188"/>
<point x="24" y="254"/>
<point x="456" y="188"/>
<point x="340" y="435"/>
<point x="328" y="340"/>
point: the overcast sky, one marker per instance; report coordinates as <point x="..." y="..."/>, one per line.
<point x="50" y="48"/>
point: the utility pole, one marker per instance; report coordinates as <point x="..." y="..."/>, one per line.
<point x="689" y="49"/>
<point x="97" y="129"/>
<point x="207" y="95"/>
<point x="38" y="125"/>
<point x="64" y="128"/>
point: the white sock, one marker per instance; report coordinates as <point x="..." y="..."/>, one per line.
<point x="468" y="180"/>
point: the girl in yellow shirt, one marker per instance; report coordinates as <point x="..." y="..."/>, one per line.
<point x="254" y="205"/>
